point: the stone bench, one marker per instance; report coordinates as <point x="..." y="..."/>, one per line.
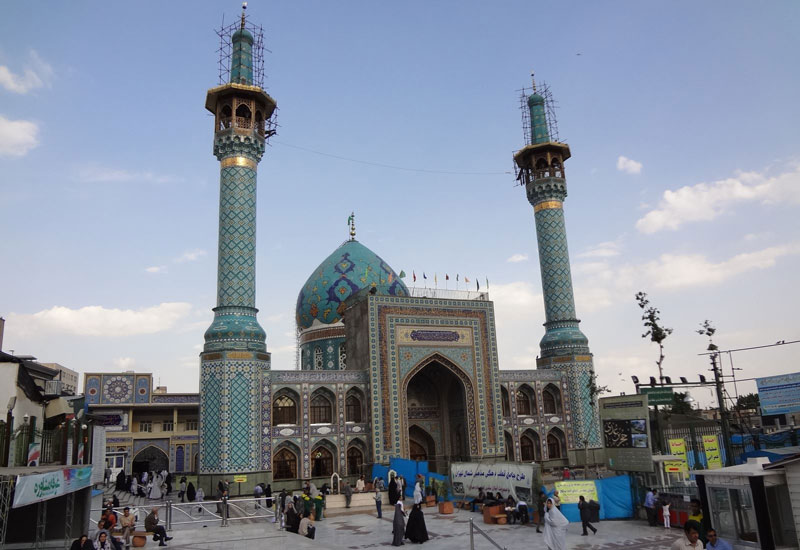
<point x="500" y="519"/>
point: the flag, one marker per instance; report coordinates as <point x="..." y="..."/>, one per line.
<point x="446" y="277"/>
<point x="414" y="274"/>
<point x="349" y="219"/>
<point x="424" y="276"/>
<point x="478" y="284"/>
<point x="402" y="274"/>
<point x="456" y="276"/>
<point x="487" y="283"/>
<point x="466" y="279"/>
<point x="435" y="279"/>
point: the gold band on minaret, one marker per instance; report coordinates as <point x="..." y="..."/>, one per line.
<point x="547" y="205"/>
<point x="238" y="161"/>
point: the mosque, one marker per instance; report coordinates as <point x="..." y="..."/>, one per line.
<point x="384" y="371"/>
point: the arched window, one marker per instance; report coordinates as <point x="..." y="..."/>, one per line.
<point x="225" y="117"/>
<point x="526" y="401"/>
<point x="284" y="410"/>
<point x="321" y="410"/>
<point x="318" y="358"/>
<point x="284" y="465"/>
<point x="509" y="447"/>
<point x="321" y="462"/>
<point x="555" y="443"/>
<point x="555" y="170"/>
<point x="530" y="447"/>
<point x="353" y="408"/>
<point x="355" y="458"/>
<point x="179" y="458"/>
<point x="551" y="399"/>
<point x="541" y="168"/>
<point x="342" y="356"/>
<point x="243" y="116"/>
<point x="504" y="401"/>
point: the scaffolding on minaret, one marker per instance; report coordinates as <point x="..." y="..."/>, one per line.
<point x="225" y="51"/>
<point x="550" y="106"/>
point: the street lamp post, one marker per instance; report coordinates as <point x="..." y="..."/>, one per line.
<point x="723" y="411"/>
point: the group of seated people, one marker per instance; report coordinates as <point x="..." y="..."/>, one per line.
<point x="515" y="511"/>
<point x="302" y="524"/>
<point x="115" y="530"/>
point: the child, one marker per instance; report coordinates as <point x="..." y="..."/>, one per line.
<point x="665" y="511"/>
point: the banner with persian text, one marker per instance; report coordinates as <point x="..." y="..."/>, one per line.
<point x="711" y="447"/>
<point x="33" y="488"/>
<point x="506" y="477"/>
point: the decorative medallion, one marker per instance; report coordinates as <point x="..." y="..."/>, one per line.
<point x="117" y="389"/>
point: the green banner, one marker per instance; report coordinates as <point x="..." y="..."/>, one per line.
<point x="657" y="395"/>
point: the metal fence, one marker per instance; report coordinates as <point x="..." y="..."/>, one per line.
<point x="187" y="513"/>
<point x="475" y="529"/>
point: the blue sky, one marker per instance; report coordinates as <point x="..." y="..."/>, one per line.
<point x="684" y="181"/>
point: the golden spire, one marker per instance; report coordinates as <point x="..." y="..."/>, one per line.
<point x="244" y="8"/>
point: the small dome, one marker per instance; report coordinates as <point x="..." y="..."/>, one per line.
<point x="242" y="34"/>
<point x="535" y="99"/>
<point x="352" y="267"/>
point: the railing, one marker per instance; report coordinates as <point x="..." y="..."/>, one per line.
<point x="448" y="294"/>
<point x="472" y="529"/>
<point x="187" y="513"/>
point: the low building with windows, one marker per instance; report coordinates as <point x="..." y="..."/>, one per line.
<point x="145" y="430"/>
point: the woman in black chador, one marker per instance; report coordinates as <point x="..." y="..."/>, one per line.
<point x="415" y="527"/>
<point x="398" y="525"/>
<point x="394" y="493"/>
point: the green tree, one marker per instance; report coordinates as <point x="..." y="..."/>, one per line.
<point x="657" y="333"/>
<point x="749" y="401"/>
<point x="680" y="405"/>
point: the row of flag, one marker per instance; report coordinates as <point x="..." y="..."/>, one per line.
<point x="446" y="278"/>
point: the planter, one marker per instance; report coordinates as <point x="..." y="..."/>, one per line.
<point x="446" y="507"/>
<point x="430" y="501"/>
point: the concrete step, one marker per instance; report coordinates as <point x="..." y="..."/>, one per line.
<point x="358" y="500"/>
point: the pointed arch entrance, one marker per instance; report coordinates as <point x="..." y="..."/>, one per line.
<point x="441" y="424"/>
<point x="150" y="459"/>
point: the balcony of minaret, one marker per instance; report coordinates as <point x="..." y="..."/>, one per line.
<point x="246" y="117"/>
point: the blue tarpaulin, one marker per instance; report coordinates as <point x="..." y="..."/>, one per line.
<point x="615" y="499"/>
<point x="409" y="470"/>
<point x="379" y="470"/>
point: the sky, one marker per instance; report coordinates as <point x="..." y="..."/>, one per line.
<point x="684" y="180"/>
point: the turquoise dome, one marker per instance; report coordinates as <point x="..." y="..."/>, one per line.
<point x="535" y="99"/>
<point x="242" y="34"/>
<point x="352" y="267"/>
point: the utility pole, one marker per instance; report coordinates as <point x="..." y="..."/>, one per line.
<point x="723" y="411"/>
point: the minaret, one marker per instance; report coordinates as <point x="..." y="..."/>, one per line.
<point x="234" y="364"/>
<point x="563" y="346"/>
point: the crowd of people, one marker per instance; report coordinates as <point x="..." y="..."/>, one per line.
<point x="697" y="531"/>
<point x="114" y="531"/>
<point x="151" y="485"/>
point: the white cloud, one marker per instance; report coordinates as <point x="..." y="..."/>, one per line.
<point x="516" y="258"/>
<point x="101" y="321"/>
<point x="706" y="201"/>
<point x="94" y="173"/>
<point x="190" y="256"/>
<point x="37" y="74"/>
<point x="629" y="166"/>
<point x="124" y="363"/>
<point x="607" y="249"/>
<point x="156" y="269"/>
<point x="602" y="283"/>
<point x="672" y="271"/>
<point x="17" y="137"/>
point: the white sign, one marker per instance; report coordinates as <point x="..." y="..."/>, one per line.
<point x="39" y="487"/>
<point x="518" y="479"/>
<point x="98" y="459"/>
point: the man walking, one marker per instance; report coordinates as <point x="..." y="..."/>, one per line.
<point x="348" y="494"/>
<point x="650" y="506"/>
<point x="151" y="525"/>
<point x="586" y="516"/>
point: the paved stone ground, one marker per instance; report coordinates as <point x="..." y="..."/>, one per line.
<point x="363" y="531"/>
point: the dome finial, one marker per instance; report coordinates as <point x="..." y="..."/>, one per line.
<point x="533" y="80"/>
<point x="351" y="221"/>
<point x="244" y="8"/>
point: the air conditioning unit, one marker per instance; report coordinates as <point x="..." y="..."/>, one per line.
<point x="53" y="387"/>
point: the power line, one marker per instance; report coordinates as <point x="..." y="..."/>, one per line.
<point x="778" y="343"/>
<point x="391" y="166"/>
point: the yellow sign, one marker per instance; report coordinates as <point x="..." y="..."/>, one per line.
<point x="711" y="447"/>
<point x="677" y="447"/>
<point x="569" y="491"/>
<point x="240" y="479"/>
<point x="673" y="466"/>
